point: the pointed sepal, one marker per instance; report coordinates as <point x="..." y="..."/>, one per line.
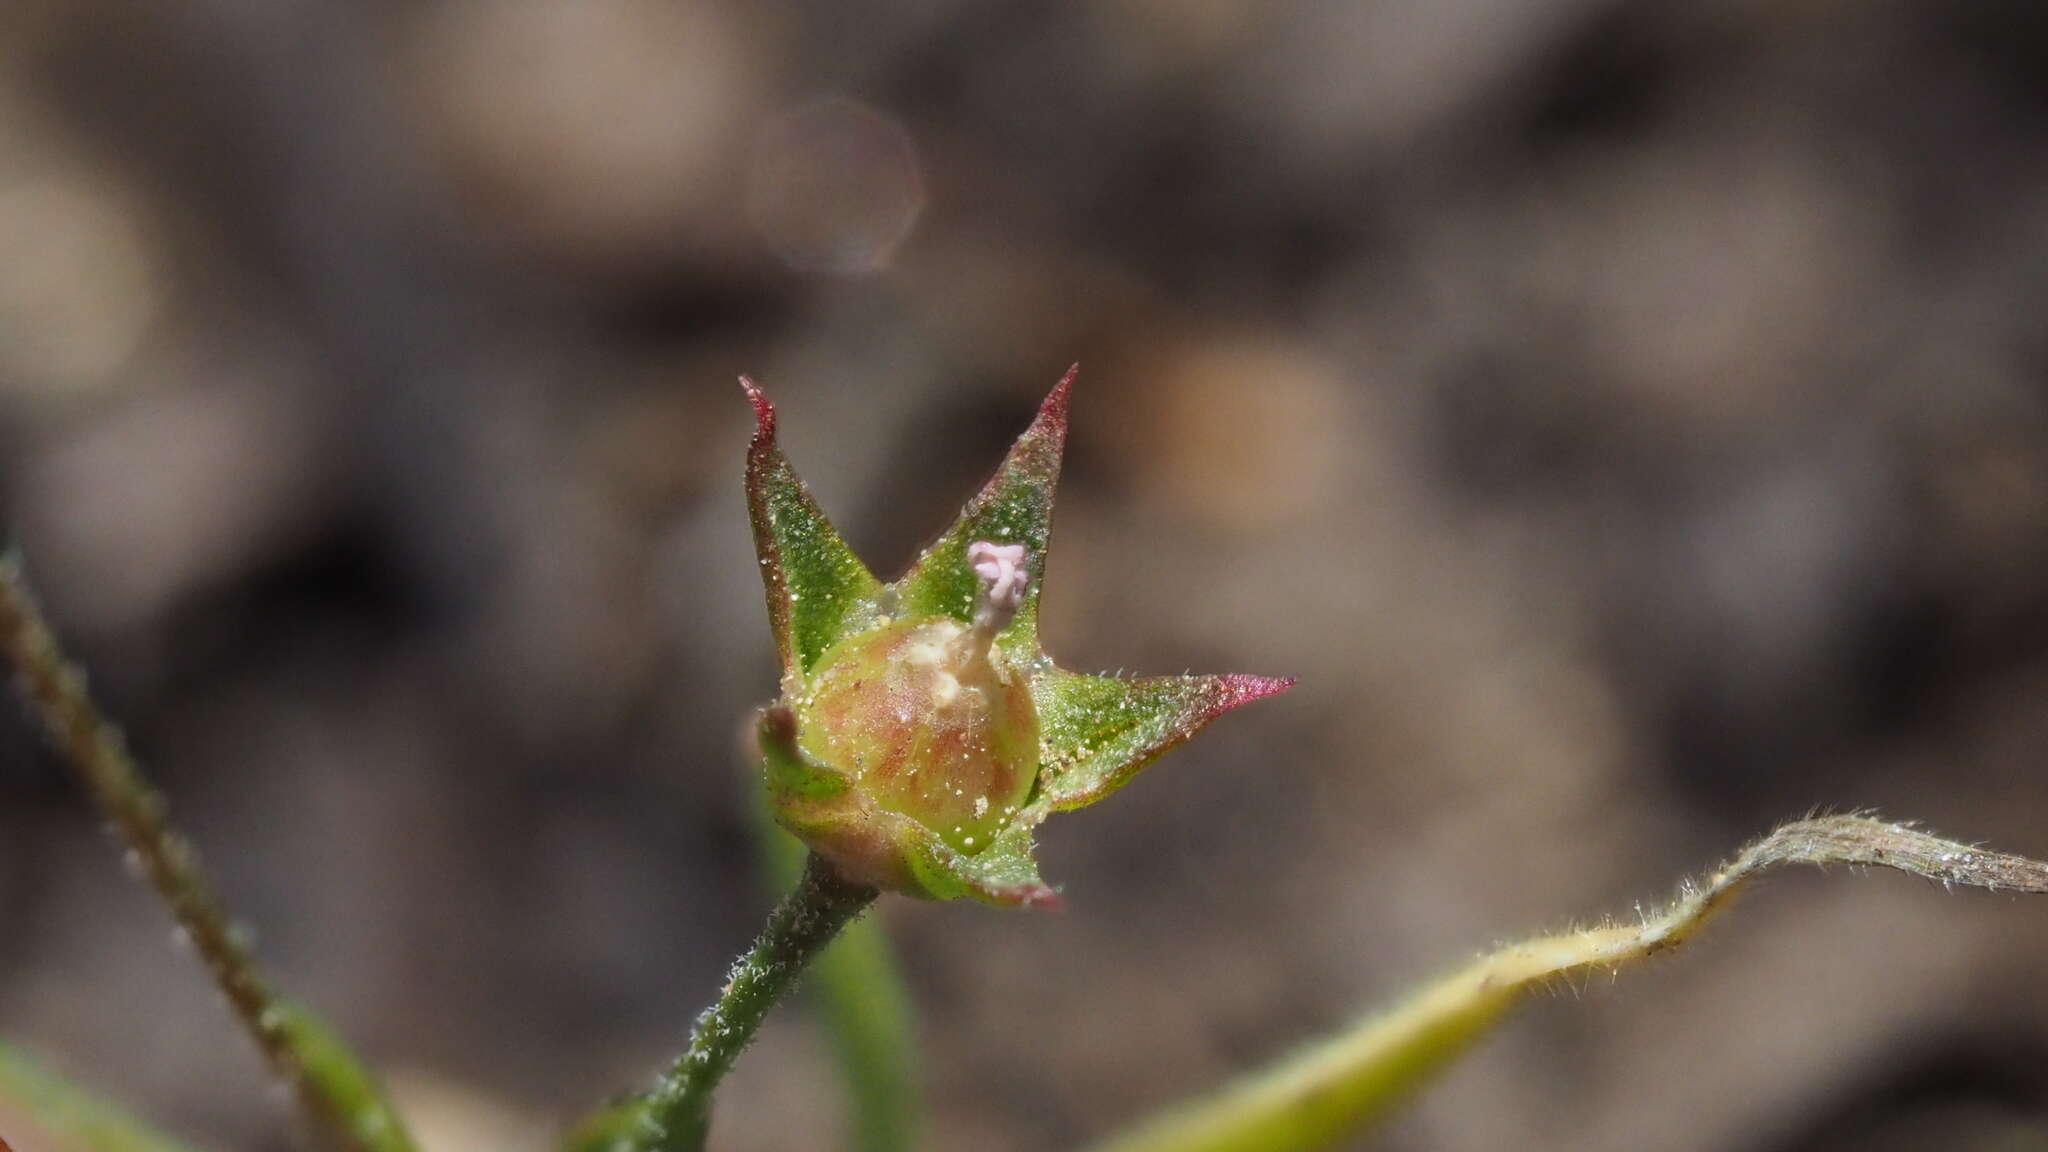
<point x="1014" y="507"/>
<point x="788" y="772"/>
<point x="817" y="589"/>
<point x="1096" y="732"/>
<point x="1004" y="874"/>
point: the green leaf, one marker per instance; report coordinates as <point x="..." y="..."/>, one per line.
<point x="34" y="1099"/>
<point x="341" y="1080"/>
<point x="1014" y="507"/>
<point x="612" y="1128"/>
<point x="1096" y="732"/>
<point x="817" y="589"/>
<point x="1330" y="1091"/>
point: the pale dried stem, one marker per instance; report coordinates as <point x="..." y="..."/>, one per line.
<point x="1338" y="1086"/>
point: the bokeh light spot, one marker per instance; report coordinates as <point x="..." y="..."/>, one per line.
<point x="835" y="187"/>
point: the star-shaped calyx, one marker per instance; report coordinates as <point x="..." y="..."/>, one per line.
<point x="922" y="731"/>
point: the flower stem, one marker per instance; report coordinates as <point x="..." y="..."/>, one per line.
<point x="866" y="1012"/>
<point x="677" y="1114"/>
<point x="334" y="1089"/>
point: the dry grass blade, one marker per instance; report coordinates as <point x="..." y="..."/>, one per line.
<point x="1336" y="1087"/>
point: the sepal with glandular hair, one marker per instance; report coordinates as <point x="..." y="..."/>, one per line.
<point x="922" y="732"/>
<point x="1099" y="731"/>
<point x="818" y="590"/>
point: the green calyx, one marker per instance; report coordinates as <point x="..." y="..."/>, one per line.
<point x="922" y="732"/>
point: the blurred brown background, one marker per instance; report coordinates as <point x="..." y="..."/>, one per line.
<point x="1627" y="419"/>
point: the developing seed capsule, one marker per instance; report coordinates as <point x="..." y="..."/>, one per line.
<point x="928" y="717"/>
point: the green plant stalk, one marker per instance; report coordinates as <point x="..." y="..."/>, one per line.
<point x="677" y="1114"/>
<point x="1334" y="1088"/>
<point x="332" y="1087"/>
<point x="75" y="1119"/>
<point x="867" y="1015"/>
<point x="611" y="1128"/>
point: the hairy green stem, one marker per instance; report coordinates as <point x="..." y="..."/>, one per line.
<point x="677" y="1114"/>
<point x="867" y="1015"/>
<point x="331" y="1086"/>
<point x="1332" y="1089"/>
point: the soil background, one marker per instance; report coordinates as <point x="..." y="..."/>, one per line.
<point x="1627" y="419"/>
